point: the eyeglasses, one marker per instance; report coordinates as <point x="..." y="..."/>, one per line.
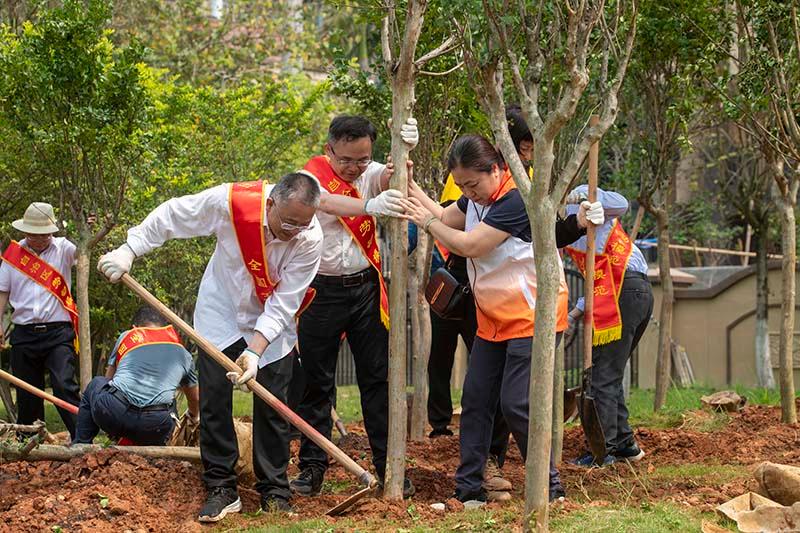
<point x="360" y="163"/>
<point x="286" y="226"/>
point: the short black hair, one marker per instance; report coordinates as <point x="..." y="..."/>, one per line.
<point x="349" y="128"/>
<point x="146" y="315"/>
<point x="517" y="126"/>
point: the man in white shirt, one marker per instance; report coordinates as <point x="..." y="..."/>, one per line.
<point x="246" y="312"/>
<point x="351" y="298"/>
<point x="44" y="334"/>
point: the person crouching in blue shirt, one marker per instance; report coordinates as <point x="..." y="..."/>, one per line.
<point x="135" y="398"/>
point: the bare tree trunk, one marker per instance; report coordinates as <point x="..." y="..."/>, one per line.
<point x="8" y="401"/>
<point x="788" y="242"/>
<point x="558" y="404"/>
<point x="82" y="299"/>
<point x="421" y="326"/>
<point x="540" y="395"/>
<point x="764" y="374"/>
<point x="663" y="361"/>
<point x="401" y="70"/>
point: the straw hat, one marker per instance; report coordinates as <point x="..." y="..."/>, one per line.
<point x="38" y="219"/>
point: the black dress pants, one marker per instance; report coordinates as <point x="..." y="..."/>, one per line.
<point x="444" y="341"/>
<point x="355" y="311"/>
<point x="608" y="361"/>
<point x="218" y="446"/>
<point x="34" y="350"/>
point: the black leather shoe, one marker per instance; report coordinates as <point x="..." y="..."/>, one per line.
<point x="308" y="482"/>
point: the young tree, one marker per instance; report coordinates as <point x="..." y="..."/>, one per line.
<point x="552" y="52"/>
<point x="77" y="102"/>
<point x="671" y="56"/>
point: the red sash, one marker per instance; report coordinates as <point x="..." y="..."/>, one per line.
<point x="138" y="337"/>
<point x="361" y="227"/>
<point x="247" y="203"/>
<point x="609" y="270"/>
<point x="45" y="275"/>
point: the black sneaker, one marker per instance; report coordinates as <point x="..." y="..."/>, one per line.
<point x="630" y="453"/>
<point x="557" y="493"/>
<point x="408" y="488"/>
<point x="441" y="432"/>
<point x="308" y="482"/>
<point x="471" y="500"/>
<point x="219" y="502"/>
<point x="270" y="503"/>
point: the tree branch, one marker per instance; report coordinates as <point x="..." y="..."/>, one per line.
<point x="449" y="44"/>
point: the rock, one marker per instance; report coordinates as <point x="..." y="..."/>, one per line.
<point x="725" y="400"/>
<point x="438" y="507"/>
<point x="780" y="483"/>
<point x="453" y="505"/>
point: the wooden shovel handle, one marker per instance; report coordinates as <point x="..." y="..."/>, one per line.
<point x="58" y="402"/>
<point x="588" y="309"/>
<point x="287" y="414"/>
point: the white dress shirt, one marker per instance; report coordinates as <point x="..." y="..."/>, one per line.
<point x="341" y="254"/>
<point x="227" y="305"/>
<point x="32" y="303"/>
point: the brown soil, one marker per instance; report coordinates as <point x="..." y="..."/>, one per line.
<point x="111" y="491"/>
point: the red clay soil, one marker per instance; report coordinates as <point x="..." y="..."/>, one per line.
<point x="163" y="495"/>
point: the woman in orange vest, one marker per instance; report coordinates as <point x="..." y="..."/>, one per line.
<point x="490" y="227"/>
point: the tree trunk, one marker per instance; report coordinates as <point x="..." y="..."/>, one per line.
<point x="663" y="361"/>
<point x="82" y="298"/>
<point x="8" y="401"/>
<point x="50" y="452"/>
<point x="421" y="326"/>
<point x="402" y="72"/>
<point x="558" y="404"/>
<point x="540" y="412"/>
<point x="788" y="243"/>
<point x="764" y="374"/>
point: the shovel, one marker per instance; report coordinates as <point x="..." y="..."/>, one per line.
<point x="364" y="477"/>
<point x="58" y="402"/>
<point x="590" y="421"/>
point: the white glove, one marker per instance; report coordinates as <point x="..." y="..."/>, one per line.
<point x="248" y="362"/>
<point x="575" y="197"/>
<point x="410" y="133"/>
<point x="591" y="211"/>
<point x="386" y="203"/>
<point x="116" y="263"/>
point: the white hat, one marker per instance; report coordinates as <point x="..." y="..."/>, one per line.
<point x="38" y="219"/>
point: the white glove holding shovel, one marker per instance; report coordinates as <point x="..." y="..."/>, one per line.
<point x="248" y="362"/>
<point x="116" y="263"/>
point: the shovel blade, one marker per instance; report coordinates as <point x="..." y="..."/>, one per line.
<point x="590" y="420"/>
<point x="571" y="403"/>
<point x="349" y="502"/>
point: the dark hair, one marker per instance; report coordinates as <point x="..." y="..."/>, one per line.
<point x="517" y="126"/>
<point x="474" y="152"/>
<point x="146" y="315"/>
<point x="350" y="128"/>
<point x="298" y="186"/>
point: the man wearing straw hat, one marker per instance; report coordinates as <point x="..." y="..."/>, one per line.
<point x="35" y="277"/>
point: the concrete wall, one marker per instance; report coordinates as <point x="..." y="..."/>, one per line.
<point x="717" y="325"/>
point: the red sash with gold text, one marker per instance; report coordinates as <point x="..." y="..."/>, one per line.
<point x="45" y="275"/>
<point x="138" y="337"/>
<point x="247" y="203"/>
<point x="609" y="270"/>
<point x="361" y="227"/>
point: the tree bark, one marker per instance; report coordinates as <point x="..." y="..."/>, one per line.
<point x="82" y="298"/>
<point x="50" y="452"/>
<point x="663" y="361"/>
<point x="764" y="374"/>
<point x="540" y="411"/>
<point x="8" y="401"/>
<point x="788" y="242"/>
<point x="421" y="326"/>
<point x="558" y="404"/>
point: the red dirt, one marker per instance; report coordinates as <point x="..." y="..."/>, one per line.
<point x="162" y="495"/>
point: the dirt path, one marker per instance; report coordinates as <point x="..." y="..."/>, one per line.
<point x="110" y="491"/>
